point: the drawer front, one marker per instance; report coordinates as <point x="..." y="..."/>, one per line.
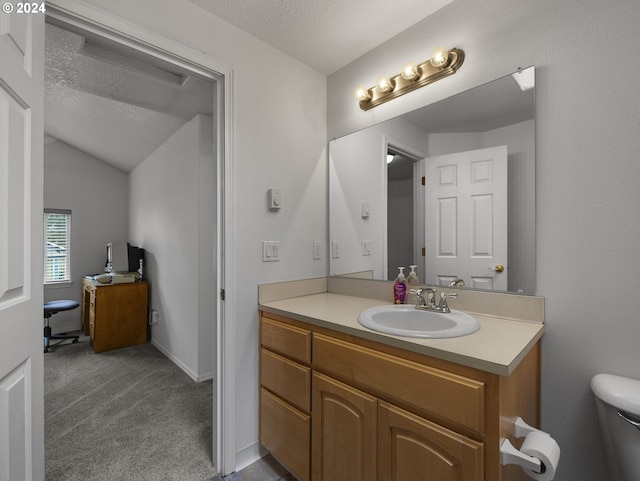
<point x="286" y="433"/>
<point x="289" y="380"/>
<point x="451" y="397"/>
<point x="288" y="340"/>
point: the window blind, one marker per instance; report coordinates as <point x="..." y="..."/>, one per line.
<point x="57" y="246"/>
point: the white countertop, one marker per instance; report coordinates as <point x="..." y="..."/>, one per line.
<point x="498" y="347"/>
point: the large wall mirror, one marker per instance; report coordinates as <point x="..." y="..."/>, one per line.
<point x="448" y="188"/>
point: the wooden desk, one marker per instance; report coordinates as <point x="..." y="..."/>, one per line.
<point x="114" y="315"/>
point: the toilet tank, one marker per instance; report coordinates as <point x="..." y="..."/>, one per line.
<point x="618" y="398"/>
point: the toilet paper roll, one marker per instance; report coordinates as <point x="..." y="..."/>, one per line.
<point x="542" y="446"/>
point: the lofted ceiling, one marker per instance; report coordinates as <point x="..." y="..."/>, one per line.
<point x="112" y="104"/>
<point x="119" y="106"/>
<point x="326" y="34"/>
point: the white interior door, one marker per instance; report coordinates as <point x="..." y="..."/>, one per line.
<point x="21" y="251"/>
<point x="466" y="218"/>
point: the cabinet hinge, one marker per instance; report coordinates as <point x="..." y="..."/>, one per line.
<point x="222" y="294"/>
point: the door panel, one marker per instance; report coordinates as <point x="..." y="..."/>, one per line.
<point x="21" y="251"/>
<point x="466" y="218"/>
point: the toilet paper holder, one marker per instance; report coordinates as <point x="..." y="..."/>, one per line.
<point x="510" y="455"/>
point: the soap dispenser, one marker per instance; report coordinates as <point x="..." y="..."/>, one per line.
<point x="413" y="278"/>
<point x="400" y="287"/>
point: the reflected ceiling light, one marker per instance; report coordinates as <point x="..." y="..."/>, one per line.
<point x="390" y="158"/>
<point x="442" y="63"/>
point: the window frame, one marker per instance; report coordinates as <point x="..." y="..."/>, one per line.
<point x="48" y="280"/>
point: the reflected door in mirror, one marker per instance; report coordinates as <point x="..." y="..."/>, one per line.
<point x="466" y="218"/>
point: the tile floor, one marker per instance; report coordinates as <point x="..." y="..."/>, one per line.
<point x="265" y="469"/>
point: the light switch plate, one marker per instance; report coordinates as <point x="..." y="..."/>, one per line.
<point x="335" y="249"/>
<point x="270" y="251"/>
<point x="366" y="247"/>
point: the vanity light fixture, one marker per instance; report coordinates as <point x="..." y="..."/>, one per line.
<point x="442" y="63"/>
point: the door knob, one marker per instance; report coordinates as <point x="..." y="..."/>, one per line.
<point x="498" y="268"/>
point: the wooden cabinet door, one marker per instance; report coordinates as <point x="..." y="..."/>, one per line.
<point x="343" y="432"/>
<point x="414" y="449"/>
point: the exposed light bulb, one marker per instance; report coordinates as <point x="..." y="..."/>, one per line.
<point x="362" y="94"/>
<point x="384" y="84"/>
<point x="390" y="158"/>
<point x="439" y="56"/>
<point x="410" y="71"/>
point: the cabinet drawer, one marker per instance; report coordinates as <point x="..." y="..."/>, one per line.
<point x="286" y="433"/>
<point x="288" y="340"/>
<point x="450" y="397"/>
<point x="289" y="380"/>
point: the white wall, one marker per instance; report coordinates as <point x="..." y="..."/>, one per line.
<point x="587" y="171"/>
<point x="168" y="220"/>
<point x="280" y="141"/>
<point x="97" y="195"/>
<point x="356" y="177"/>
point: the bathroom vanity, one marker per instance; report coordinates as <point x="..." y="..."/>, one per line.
<point x="340" y="402"/>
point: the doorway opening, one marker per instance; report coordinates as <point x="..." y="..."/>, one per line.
<point x="404" y="204"/>
<point x="172" y="63"/>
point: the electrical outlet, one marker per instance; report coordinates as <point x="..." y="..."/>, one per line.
<point x="155" y="316"/>
<point x="317" y="255"/>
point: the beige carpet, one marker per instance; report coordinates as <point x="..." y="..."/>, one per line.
<point x="128" y="414"/>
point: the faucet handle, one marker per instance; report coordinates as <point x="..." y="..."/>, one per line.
<point x="418" y="294"/>
<point x="444" y="307"/>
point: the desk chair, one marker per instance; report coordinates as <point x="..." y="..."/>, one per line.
<point x="51" y="308"/>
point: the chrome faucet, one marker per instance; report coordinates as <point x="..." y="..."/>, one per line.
<point x="427" y="303"/>
<point x="426" y="299"/>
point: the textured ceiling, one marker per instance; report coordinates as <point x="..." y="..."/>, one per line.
<point x="119" y="107"/>
<point x="324" y="34"/>
<point x="111" y="104"/>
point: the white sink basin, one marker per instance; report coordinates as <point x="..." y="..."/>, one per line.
<point x="405" y="320"/>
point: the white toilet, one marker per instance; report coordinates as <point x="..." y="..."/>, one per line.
<point x="618" y="405"/>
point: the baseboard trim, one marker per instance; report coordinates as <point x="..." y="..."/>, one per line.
<point x="189" y="372"/>
<point x="249" y="455"/>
